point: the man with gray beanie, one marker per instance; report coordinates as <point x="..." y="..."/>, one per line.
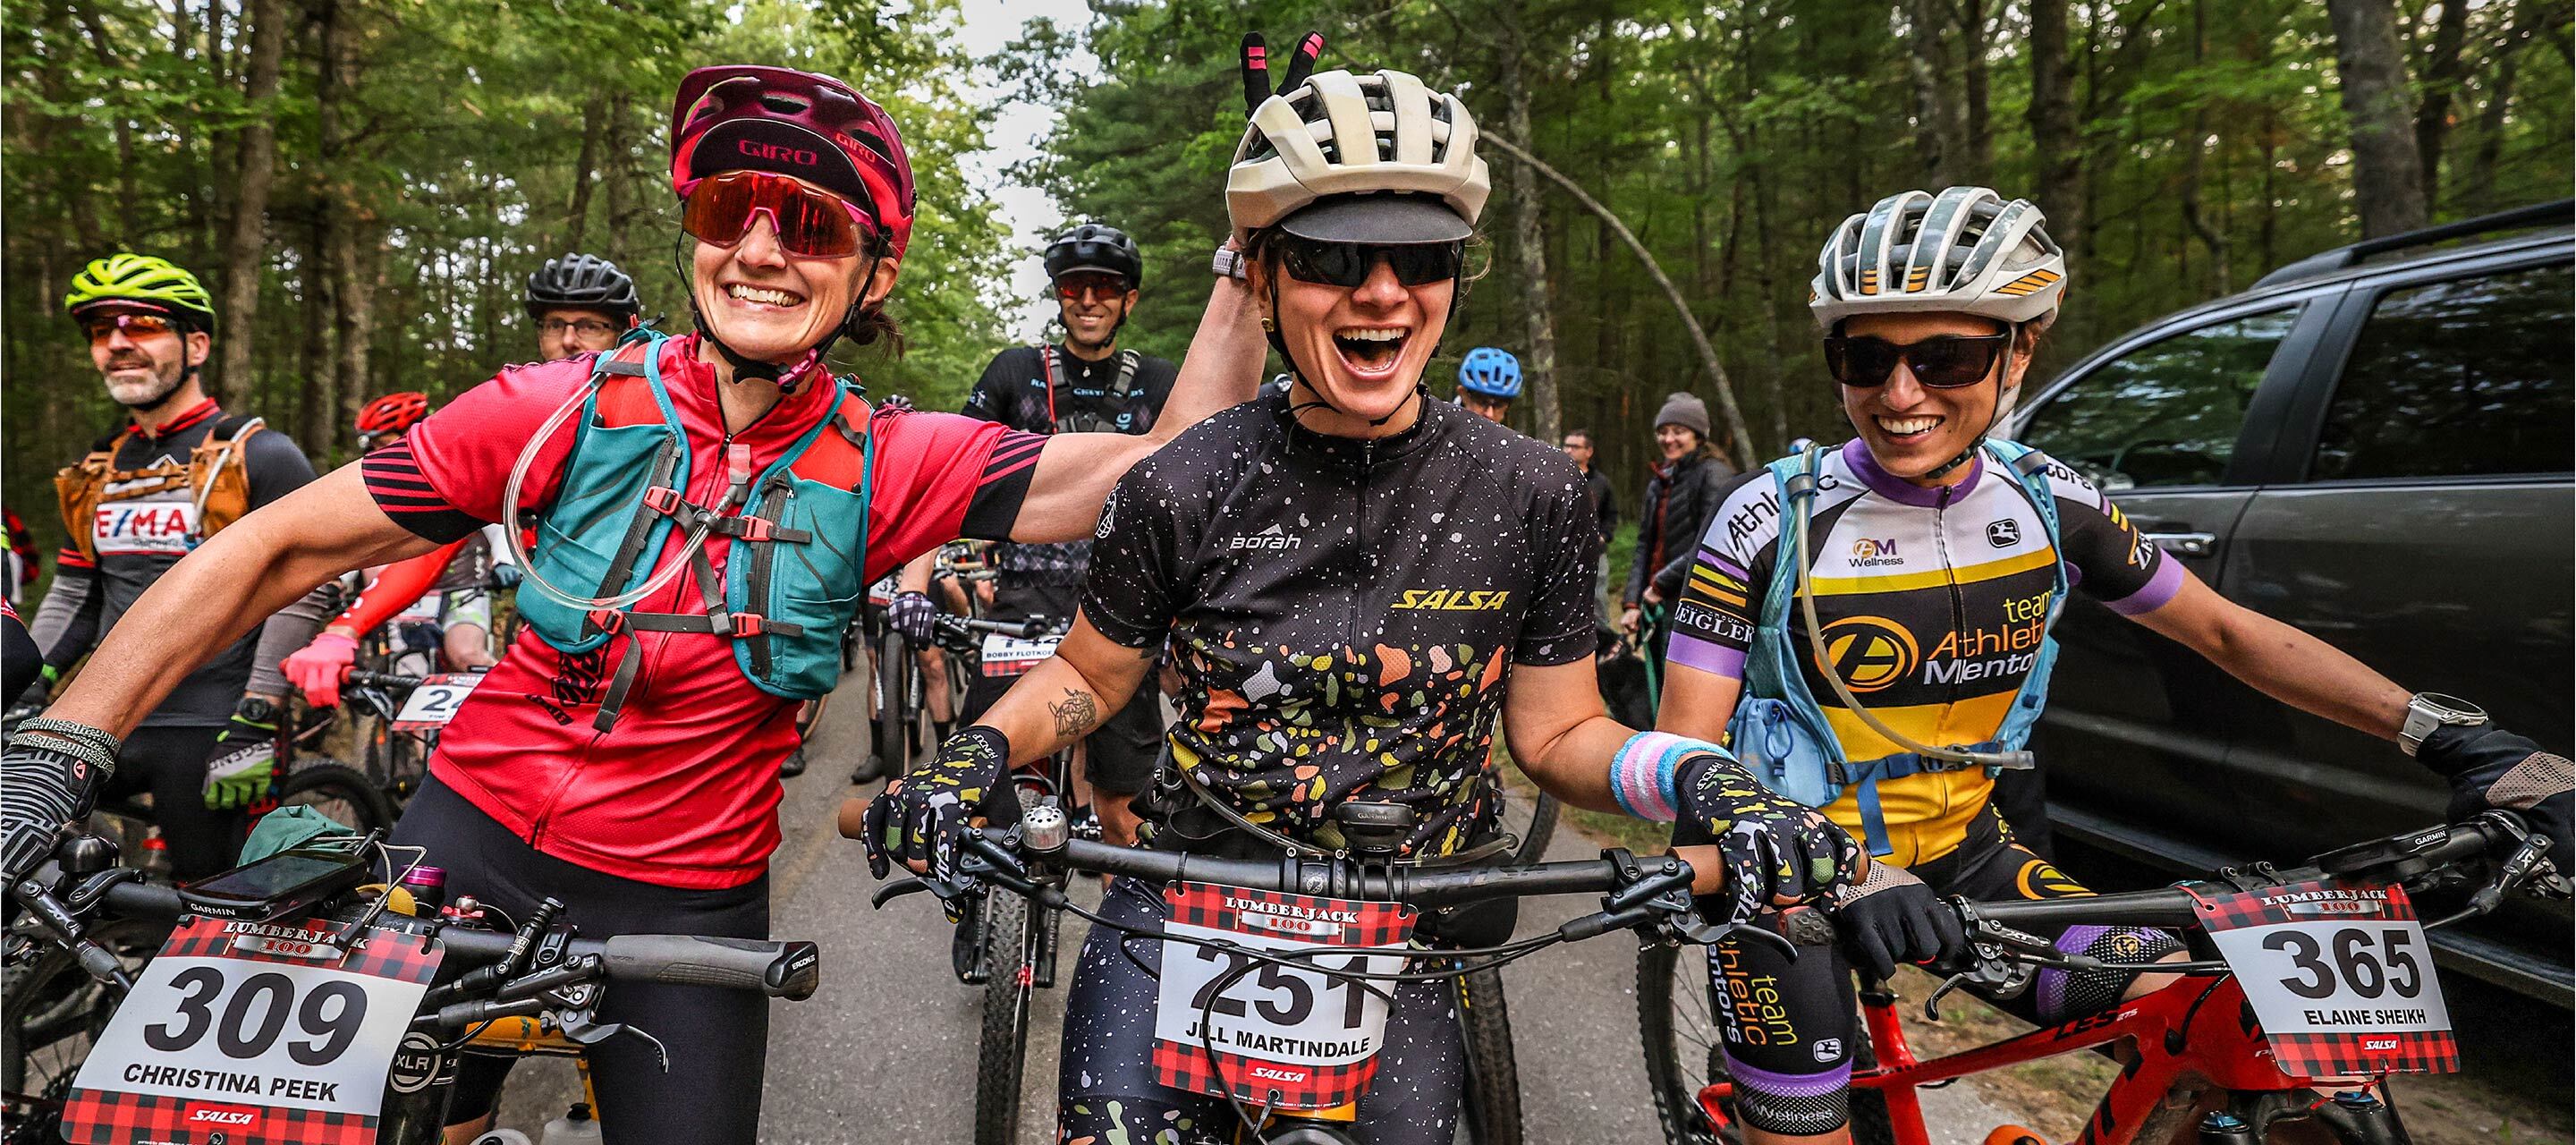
<point x="1673" y="513"/>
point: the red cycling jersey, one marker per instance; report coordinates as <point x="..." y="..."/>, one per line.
<point x="396" y="586"/>
<point x="683" y="791"/>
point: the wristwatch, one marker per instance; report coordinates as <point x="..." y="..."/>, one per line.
<point x="2427" y="712"/>
<point x="1228" y="262"/>
<point x="256" y="709"/>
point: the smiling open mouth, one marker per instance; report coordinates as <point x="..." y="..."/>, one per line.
<point x="1371" y="349"/>
<point x="1906" y="428"/>
<point x="764" y="295"/>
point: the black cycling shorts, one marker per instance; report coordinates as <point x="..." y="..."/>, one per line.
<point x="1105" y="1084"/>
<point x="1119" y="755"/>
<point x="170" y="763"/>
<point x="718" y="1039"/>
<point x="1788" y="1028"/>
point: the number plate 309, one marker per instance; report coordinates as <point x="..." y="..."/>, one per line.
<point x="219" y="1041"/>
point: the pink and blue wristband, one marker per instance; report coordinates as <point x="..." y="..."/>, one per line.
<point x="1645" y="775"/>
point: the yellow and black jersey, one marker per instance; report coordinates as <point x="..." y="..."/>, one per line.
<point x="1934" y="602"/>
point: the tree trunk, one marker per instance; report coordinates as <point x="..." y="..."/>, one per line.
<point x="2441" y="76"/>
<point x="2058" y="150"/>
<point x="1936" y="130"/>
<point x="1979" y="162"/>
<point x="1529" y="253"/>
<point x="2387" y="171"/>
<point x="594" y="125"/>
<point x="317" y="407"/>
<point x="1699" y="338"/>
<point x="246" y="246"/>
<point x="353" y="284"/>
<point x="620" y="158"/>
<point x="2480" y="189"/>
<point x="126" y="168"/>
<point x="2195" y="155"/>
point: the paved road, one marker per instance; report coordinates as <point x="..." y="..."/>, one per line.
<point x="885" y="1052"/>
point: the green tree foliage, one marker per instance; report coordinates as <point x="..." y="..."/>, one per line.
<point x="1732" y="136"/>
<point x="446" y="148"/>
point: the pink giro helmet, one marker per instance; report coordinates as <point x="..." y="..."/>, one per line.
<point x="744" y="117"/>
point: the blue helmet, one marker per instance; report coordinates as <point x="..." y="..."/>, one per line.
<point x="1490" y="372"/>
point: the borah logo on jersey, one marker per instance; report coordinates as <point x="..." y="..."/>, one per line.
<point x="1271" y="540"/>
<point x="1452" y="600"/>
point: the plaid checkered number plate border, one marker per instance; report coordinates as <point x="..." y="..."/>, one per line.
<point x="2339" y="975"/>
<point x="238" y="1034"/>
<point x="1007" y="655"/>
<point x="1295" y="1039"/>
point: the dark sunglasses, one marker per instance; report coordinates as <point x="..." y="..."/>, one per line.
<point x="809" y="222"/>
<point x="1072" y="287"/>
<point x="102" y="328"/>
<point x="1348" y="265"/>
<point x="1944" y="362"/>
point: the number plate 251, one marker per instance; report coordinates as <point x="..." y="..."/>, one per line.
<point x="251" y="1047"/>
<point x="1295" y="1038"/>
<point x="2340" y="977"/>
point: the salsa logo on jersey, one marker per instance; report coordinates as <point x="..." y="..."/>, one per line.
<point x="1868" y="553"/>
<point x="1452" y="600"/>
<point x="1871" y="652"/>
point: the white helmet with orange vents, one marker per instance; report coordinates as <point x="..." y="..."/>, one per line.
<point x="1374" y="158"/>
<point x="1966" y="250"/>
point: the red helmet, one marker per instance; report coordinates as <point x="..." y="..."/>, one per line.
<point x="393" y="413"/>
<point x="743" y="117"/>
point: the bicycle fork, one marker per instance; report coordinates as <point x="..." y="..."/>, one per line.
<point x="2355" y="1117"/>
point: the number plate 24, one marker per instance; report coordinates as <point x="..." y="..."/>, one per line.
<point x="252" y="1046"/>
<point x="435" y="701"/>
<point x="2340" y="977"/>
<point x="1294" y="1038"/>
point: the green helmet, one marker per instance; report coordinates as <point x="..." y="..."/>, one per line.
<point x="141" y="278"/>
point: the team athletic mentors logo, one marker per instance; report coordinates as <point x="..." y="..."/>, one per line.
<point x="1870" y="652"/>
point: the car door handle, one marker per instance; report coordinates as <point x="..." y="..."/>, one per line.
<point x="2186" y="544"/>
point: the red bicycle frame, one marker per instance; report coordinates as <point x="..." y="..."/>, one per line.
<point x="2198" y="1028"/>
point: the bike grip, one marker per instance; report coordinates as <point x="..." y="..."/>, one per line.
<point x="779" y="969"/>
<point x="1807" y="926"/>
<point x="852" y="821"/>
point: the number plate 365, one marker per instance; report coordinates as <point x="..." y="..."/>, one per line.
<point x="228" y="1038"/>
<point x="2340" y="977"/>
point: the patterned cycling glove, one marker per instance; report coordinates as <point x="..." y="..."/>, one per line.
<point x="922" y="816"/>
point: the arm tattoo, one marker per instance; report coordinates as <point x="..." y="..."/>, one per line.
<point x="1077" y="715"/>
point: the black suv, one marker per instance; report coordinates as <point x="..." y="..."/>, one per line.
<point x="2375" y="445"/>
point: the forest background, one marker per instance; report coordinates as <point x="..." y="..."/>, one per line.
<point x="365" y="184"/>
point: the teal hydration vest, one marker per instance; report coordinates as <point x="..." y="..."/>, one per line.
<point x="798" y="530"/>
<point x="1779" y="731"/>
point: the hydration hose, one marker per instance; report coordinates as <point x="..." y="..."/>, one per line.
<point x="1802" y="498"/>
<point x="518" y="549"/>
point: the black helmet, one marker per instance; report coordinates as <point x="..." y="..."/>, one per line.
<point x="1092" y="246"/>
<point x="582" y="282"/>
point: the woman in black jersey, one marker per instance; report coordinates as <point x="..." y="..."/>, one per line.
<point x="1354" y="582"/>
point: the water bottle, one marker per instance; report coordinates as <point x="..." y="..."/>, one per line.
<point x="575" y="1127"/>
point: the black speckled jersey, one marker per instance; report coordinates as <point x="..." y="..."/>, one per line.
<point x="1344" y="614"/>
<point x="1046" y="389"/>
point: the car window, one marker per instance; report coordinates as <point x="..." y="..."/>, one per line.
<point x="2165" y="413"/>
<point x="2465" y="378"/>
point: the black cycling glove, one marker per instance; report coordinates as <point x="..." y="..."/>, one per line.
<point x="50" y="781"/>
<point x="1890" y="917"/>
<point x="2493" y="769"/>
<point x="922" y="816"/>
<point x="913" y="616"/>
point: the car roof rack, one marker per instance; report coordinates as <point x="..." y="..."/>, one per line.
<point x="2538" y="214"/>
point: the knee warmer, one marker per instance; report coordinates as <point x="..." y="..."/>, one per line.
<point x="2066" y="994"/>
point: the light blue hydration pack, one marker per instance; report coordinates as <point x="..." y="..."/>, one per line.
<point x="1779" y="731"/>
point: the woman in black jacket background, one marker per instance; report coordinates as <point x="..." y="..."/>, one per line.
<point x="1679" y="498"/>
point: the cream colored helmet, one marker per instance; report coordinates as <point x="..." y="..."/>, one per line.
<point x="1965" y="250"/>
<point x="1360" y="158"/>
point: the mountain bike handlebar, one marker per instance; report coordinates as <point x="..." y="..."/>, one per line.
<point x="789" y="969"/>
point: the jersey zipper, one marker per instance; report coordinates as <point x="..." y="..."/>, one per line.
<point x="1950" y="575"/>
